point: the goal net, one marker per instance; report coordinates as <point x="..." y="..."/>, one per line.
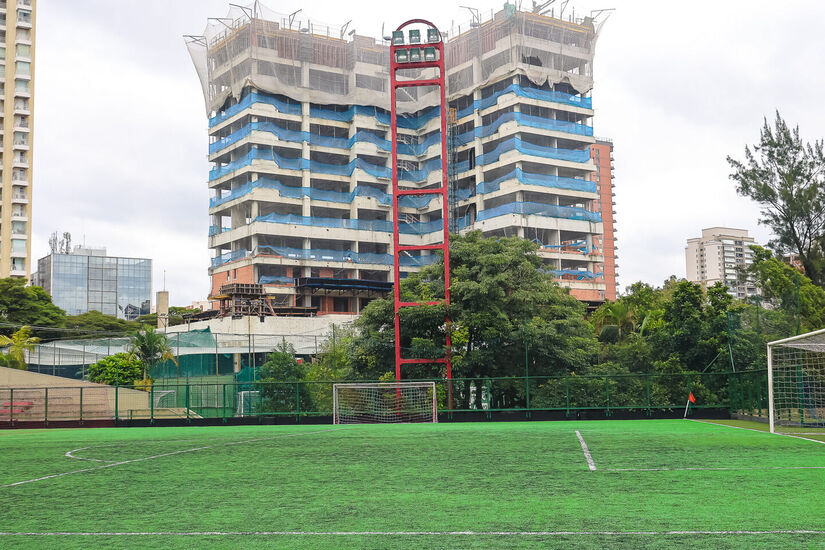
<point x="796" y="382"/>
<point x="389" y="402"/>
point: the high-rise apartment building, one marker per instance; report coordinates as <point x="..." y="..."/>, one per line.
<point x="89" y="280"/>
<point x="718" y="256"/>
<point x="17" y="95"/>
<point x="300" y="141"/>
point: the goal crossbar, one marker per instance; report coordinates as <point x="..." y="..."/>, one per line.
<point x="384" y="402"/>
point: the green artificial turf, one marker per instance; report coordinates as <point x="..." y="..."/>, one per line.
<point x="482" y="477"/>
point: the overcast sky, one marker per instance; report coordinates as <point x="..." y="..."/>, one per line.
<point x="121" y="133"/>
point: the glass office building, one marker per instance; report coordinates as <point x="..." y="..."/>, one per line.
<point x="89" y="280"/>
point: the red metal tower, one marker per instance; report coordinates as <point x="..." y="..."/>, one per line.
<point x="417" y="55"/>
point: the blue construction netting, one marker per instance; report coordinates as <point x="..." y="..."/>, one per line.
<point x="410" y="121"/>
<point x="579" y="274"/>
<point x="256" y="97"/>
<point x="540" y="209"/>
<point x="216" y="230"/>
<point x="543" y="180"/>
<point x="345" y="256"/>
<point x="229" y="257"/>
<point x="531" y="149"/>
<point x="385" y="226"/>
<point x="410" y="201"/>
<point x="275" y="279"/>
<point x="581" y="246"/>
<point x="533" y="122"/>
<point x="384" y="172"/>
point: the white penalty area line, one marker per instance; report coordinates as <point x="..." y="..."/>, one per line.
<point x="721" y="469"/>
<point x="586" y="451"/>
<point x="172" y="453"/>
<point x="405" y="533"/>
<point x="755" y="430"/>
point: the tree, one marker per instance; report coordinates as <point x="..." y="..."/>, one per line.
<point x="95" y="321"/>
<point x="505" y="307"/>
<point x="116" y="370"/>
<point x="19" y="343"/>
<point x="281" y="384"/>
<point x="787" y="289"/>
<point x="22" y="305"/>
<point x="176" y="316"/>
<point x="151" y="348"/>
<point x="787" y="178"/>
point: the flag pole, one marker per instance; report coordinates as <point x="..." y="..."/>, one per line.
<point x="686" y="407"/>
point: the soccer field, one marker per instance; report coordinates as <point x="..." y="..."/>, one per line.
<point x="634" y="484"/>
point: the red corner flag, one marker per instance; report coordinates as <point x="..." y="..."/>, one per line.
<point x="690" y="400"/>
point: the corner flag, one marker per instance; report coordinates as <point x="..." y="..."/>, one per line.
<point x="691" y="399"/>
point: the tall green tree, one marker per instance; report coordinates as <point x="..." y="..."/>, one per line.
<point x="151" y="348"/>
<point x="787" y="178"/>
<point x="96" y="322"/>
<point x="18" y="343"/>
<point x="22" y="305"/>
<point x="280" y="385"/>
<point x="505" y="307"/>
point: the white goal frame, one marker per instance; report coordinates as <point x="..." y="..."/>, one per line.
<point x="815" y="347"/>
<point x="427" y="414"/>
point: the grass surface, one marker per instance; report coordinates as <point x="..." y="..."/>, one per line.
<point x="481" y="477"/>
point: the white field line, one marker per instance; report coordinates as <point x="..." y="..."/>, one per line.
<point x="70" y="455"/>
<point x="405" y="533"/>
<point x="755" y="430"/>
<point x="193" y="449"/>
<point x="586" y="451"/>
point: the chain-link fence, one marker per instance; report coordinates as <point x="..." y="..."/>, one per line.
<point x="743" y="392"/>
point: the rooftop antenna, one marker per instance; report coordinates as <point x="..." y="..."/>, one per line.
<point x="292" y="17"/>
<point x="539" y="7"/>
<point x="164" y="279"/>
<point x="476" y="22"/>
<point x="344" y="28"/>
<point x="221" y="20"/>
<point x="246" y="9"/>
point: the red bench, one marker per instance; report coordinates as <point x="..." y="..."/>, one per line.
<point x="18" y="403"/>
<point x="7" y="411"/>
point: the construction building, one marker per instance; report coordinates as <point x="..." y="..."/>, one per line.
<point x="299" y="129"/>
<point x="16" y="108"/>
<point x="719" y="256"/>
<point x="87" y="279"/>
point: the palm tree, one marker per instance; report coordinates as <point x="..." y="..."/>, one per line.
<point x="151" y="348"/>
<point x="19" y="342"/>
<point x="616" y="315"/>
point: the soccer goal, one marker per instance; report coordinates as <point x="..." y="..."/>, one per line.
<point x="796" y="381"/>
<point x="386" y="402"/>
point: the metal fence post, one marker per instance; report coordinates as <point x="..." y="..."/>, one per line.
<point x="152" y="404"/>
<point x="11" y="405"/>
<point x="607" y="390"/>
<point x="223" y="403"/>
<point x="46" y="406"/>
<point x="81" y="404"/>
<point x="298" y="400"/>
<point x="116" y="403"/>
<point x="187" y="402"/>
<point x="647" y="389"/>
<point x="567" y="394"/>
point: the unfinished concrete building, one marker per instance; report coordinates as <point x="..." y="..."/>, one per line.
<point x="300" y="141"/>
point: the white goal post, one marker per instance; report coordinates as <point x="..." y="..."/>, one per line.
<point x="384" y="402"/>
<point x="796" y="381"/>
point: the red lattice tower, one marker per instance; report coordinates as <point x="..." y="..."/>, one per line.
<point x="430" y="55"/>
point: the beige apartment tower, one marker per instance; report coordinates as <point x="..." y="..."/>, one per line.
<point x="16" y="108"/>
<point x="718" y="256"/>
